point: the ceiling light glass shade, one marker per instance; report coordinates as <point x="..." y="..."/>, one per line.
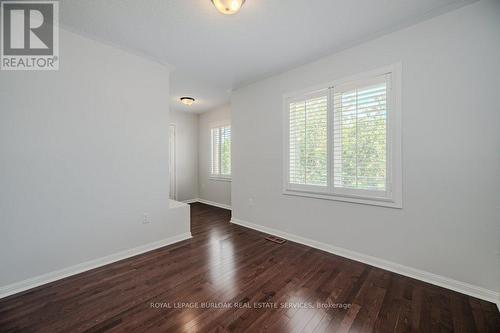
<point x="187" y="100"/>
<point x="228" y="7"/>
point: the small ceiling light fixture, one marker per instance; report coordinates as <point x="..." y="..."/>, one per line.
<point x="228" y="7"/>
<point x="187" y="100"/>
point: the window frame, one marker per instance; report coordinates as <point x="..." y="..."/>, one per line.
<point x="393" y="197"/>
<point x="220" y="177"/>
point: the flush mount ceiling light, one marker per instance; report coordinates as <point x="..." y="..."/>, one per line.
<point x="187" y="100"/>
<point x="228" y="7"/>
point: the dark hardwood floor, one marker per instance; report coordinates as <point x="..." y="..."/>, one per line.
<point x="229" y="278"/>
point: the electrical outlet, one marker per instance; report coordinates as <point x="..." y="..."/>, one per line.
<point x="145" y="219"/>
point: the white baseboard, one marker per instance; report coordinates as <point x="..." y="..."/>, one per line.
<point x="216" y="204"/>
<point x="438" y="280"/>
<point x="208" y="202"/>
<point x="85" y="266"/>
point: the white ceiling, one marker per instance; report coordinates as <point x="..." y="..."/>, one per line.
<point x="214" y="53"/>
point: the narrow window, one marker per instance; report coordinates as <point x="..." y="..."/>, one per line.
<point x="220" y="152"/>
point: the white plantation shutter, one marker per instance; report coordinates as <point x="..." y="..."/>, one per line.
<point x="220" y="152"/>
<point x="308" y="127"/>
<point x="225" y="152"/>
<point x="215" y="149"/>
<point x="360" y="135"/>
<point x="343" y="142"/>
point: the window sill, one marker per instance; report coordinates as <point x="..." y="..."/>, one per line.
<point x="220" y="179"/>
<point x="352" y="199"/>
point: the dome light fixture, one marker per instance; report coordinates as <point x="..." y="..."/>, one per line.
<point x="187" y="100"/>
<point x="228" y="7"/>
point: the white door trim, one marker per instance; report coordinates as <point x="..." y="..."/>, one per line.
<point x="173" y="155"/>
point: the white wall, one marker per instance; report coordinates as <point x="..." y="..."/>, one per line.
<point x="186" y="125"/>
<point x="218" y="191"/>
<point x="449" y="224"/>
<point x="84" y="153"/>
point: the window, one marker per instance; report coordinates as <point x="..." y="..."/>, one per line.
<point x="220" y="161"/>
<point x="308" y="140"/>
<point x="343" y="141"/>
